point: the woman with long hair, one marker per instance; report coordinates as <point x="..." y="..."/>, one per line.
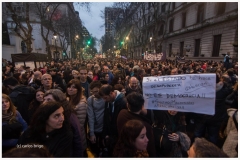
<point x="132" y="140"/>
<point x="57" y="95"/>
<point x="48" y="127"/>
<point x="12" y="123"/>
<point x="36" y="102"/>
<point x="79" y="103"/>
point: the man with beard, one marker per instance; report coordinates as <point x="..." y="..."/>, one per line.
<point x="133" y="86"/>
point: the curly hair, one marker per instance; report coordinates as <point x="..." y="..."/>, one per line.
<point x="125" y="146"/>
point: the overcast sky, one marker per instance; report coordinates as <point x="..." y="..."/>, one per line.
<point x="92" y="21"/>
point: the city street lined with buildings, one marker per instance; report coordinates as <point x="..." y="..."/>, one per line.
<point x="162" y="80"/>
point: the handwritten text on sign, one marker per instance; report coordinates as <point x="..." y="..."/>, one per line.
<point x="186" y="93"/>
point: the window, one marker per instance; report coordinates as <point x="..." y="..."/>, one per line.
<point x="200" y="13"/>
<point x="216" y="45"/>
<point x="170" y="50"/>
<point x="171" y="25"/>
<point x="183" y="19"/>
<point x="181" y="48"/>
<point x="197" y="47"/>
<point x="173" y="5"/>
<point x="163" y="9"/>
<point x="221" y="8"/>
<point x="160" y="32"/>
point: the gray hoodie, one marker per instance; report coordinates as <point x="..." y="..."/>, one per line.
<point x="95" y="111"/>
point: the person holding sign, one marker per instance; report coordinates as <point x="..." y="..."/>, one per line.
<point x="170" y="127"/>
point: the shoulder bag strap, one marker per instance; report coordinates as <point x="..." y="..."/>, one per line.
<point x="95" y="119"/>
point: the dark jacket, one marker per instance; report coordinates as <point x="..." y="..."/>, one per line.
<point x="220" y="108"/>
<point x="129" y="90"/>
<point x="77" y="147"/>
<point x="21" y="97"/>
<point x="110" y="119"/>
<point x="58" y="80"/>
<point x="125" y="116"/>
<point x="58" y="142"/>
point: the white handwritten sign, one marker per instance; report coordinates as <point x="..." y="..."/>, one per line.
<point x="185" y="93"/>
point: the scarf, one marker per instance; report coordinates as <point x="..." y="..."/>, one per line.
<point x="7" y="117"/>
<point x="141" y="154"/>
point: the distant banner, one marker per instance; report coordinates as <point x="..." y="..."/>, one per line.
<point x="155" y="56"/>
<point x="123" y="57"/>
<point x="185" y="93"/>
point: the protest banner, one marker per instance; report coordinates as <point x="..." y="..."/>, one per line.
<point x="186" y="93"/>
<point x="155" y="56"/>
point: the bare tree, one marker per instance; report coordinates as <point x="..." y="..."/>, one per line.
<point x="24" y="32"/>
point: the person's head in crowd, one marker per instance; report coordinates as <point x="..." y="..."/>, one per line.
<point x="154" y="72"/>
<point x="105" y="76"/>
<point x="37" y="75"/>
<point x="120" y="88"/>
<point x="18" y="76"/>
<point x="90" y="74"/>
<point x="20" y="69"/>
<point x="46" y="81"/>
<point x="49" y="116"/>
<point x="74" y="91"/>
<point x="230" y="72"/>
<point x="94" y="88"/>
<point x="10" y="82"/>
<point x="83" y="74"/>
<point x="75" y="74"/>
<point x="141" y="72"/>
<point x="133" y="83"/>
<point x="35" y="152"/>
<point x="25" y="78"/>
<point x="107" y="93"/>
<point x="132" y="141"/>
<point x="96" y="67"/>
<point x="105" y="69"/>
<point x="27" y="68"/>
<point x="7" y="106"/>
<point x="159" y="73"/>
<point x="89" y="66"/>
<point x="135" y="102"/>
<point x="39" y="95"/>
<point x="202" y="148"/>
<point x="54" y="95"/>
<point x="174" y="71"/>
<point x="225" y="78"/>
<point x="53" y="71"/>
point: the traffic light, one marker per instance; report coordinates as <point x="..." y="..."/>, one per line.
<point x="88" y="42"/>
<point x="64" y="53"/>
<point x="122" y="43"/>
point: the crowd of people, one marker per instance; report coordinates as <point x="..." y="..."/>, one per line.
<point x="70" y="107"/>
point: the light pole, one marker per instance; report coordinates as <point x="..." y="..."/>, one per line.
<point x="76" y="38"/>
<point x="55" y="37"/>
<point x="150" y="44"/>
<point x="127" y="46"/>
<point x="114" y="51"/>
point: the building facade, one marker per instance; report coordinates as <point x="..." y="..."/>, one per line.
<point x="196" y="30"/>
<point x="63" y="42"/>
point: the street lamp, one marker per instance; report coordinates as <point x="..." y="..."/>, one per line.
<point x="150" y="44"/>
<point x="55" y="37"/>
